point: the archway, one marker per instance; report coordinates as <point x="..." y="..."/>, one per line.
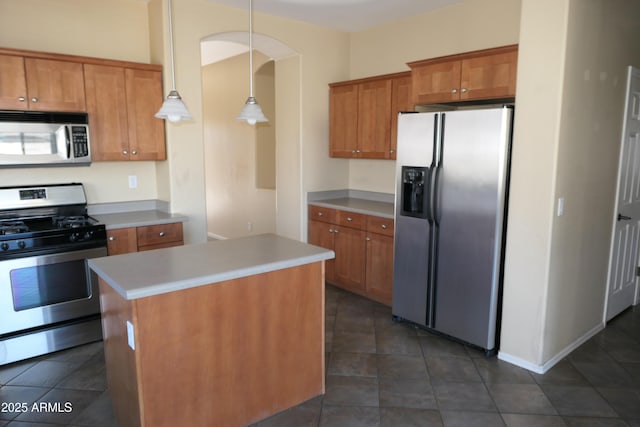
<point x="244" y="189"/>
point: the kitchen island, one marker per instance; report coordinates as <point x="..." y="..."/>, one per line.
<point x="221" y="333"/>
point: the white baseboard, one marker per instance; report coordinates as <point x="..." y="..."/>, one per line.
<point x="541" y="369"/>
<point x="215" y="236"/>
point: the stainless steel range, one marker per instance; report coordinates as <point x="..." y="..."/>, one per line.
<point x="47" y="302"/>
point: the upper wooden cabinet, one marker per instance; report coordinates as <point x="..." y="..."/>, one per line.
<point x="120" y="97"/>
<point x="121" y="103"/>
<point x="479" y="75"/>
<point x="41" y="84"/>
<point x="362" y="115"/>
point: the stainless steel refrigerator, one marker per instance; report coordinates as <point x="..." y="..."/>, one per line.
<point x="452" y="174"/>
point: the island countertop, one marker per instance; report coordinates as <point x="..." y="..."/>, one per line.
<point x="143" y="274"/>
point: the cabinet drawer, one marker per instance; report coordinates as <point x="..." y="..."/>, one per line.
<point x="380" y="225"/>
<point x="351" y="219"/>
<point x="318" y="213"/>
<point x="159" y="234"/>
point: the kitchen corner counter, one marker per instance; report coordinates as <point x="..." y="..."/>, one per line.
<point x="363" y="206"/>
<point x="144" y="274"/>
<point x="117" y="220"/>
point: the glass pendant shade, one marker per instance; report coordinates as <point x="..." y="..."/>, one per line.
<point x="173" y="109"/>
<point x="251" y="112"/>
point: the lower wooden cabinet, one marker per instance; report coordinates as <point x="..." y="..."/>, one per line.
<point x="136" y="239"/>
<point x="363" y="245"/>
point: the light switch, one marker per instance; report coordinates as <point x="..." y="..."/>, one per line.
<point x="560" y="210"/>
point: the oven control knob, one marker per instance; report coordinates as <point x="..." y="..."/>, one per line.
<point x="73" y="237"/>
<point x="88" y="235"/>
<point x="4" y="246"/>
<point x="21" y="244"/>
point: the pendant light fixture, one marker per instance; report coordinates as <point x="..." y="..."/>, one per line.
<point x="173" y="109"/>
<point x="251" y="112"/>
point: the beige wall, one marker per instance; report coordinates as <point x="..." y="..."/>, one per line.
<point x="88" y="28"/>
<point x="230" y="149"/>
<point x="471" y="25"/>
<point x="556" y="267"/>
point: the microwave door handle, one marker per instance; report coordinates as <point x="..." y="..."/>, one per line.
<point x="67" y="141"/>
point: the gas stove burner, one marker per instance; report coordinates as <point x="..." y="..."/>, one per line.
<point x="13" y="227"/>
<point x="71" y="221"/>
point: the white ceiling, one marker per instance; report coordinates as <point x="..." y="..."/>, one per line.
<point x="345" y="15"/>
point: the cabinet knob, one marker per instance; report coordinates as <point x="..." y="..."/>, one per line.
<point x="331" y="230"/>
<point x="454" y="90"/>
<point x="463" y="90"/>
<point x="125" y="152"/>
<point x="34" y="99"/>
<point x="357" y="151"/>
<point x="384" y="226"/>
<point x="368" y="239"/>
<point x="392" y="151"/>
<point x="22" y="98"/>
<point x="112" y="239"/>
<point x="349" y="219"/>
<point x="320" y="214"/>
<point x="353" y="151"/>
<point x="161" y="234"/>
<point x="134" y="152"/>
<point x="335" y="231"/>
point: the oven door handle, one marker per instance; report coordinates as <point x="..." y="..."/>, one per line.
<point x="67" y="137"/>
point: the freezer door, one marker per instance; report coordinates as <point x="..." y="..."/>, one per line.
<point x="413" y="240"/>
<point x="470" y="212"/>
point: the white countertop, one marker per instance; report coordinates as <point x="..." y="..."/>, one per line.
<point x="363" y="206"/>
<point x="137" y="219"/>
<point x="143" y="274"/>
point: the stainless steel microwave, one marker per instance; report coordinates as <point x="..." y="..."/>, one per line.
<point x="31" y="138"/>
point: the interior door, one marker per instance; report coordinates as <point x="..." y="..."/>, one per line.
<point x="623" y="262"/>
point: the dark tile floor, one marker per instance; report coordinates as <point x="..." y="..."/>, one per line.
<point x="381" y="373"/>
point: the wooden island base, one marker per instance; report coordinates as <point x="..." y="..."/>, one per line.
<point x="225" y="354"/>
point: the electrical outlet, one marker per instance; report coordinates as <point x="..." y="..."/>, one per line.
<point x="133" y="181"/>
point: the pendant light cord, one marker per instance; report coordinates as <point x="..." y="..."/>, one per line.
<point x="251" y="48"/>
<point x="173" y="71"/>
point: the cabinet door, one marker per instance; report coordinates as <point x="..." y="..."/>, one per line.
<point x="144" y="99"/>
<point x="379" y="275"/>
<point x="321" y="234"/>
<point x="106" y="105"/>
<point x="350" y="248"/>
<point x="122" y="241"/>
<point x="343" y="121"/>
<point x="401" y="100"/>
<point x="13" y="84"/>
<point x="374" y="119"/>
<point x="55" y="85"/>
<point x="489" y="76"/>
<point x="433" y="83"/>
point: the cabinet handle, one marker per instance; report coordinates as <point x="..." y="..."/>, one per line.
<point x="22" y="98"/>
<point x="384" y="226"/>
<point x="125" y="152"/>
<point x="454" y="90"/>
<point x="34" y="99"/>
<point x="161" y="234"/>
<point x="134" y="152"/>
<point x="463" y="90"/>
<point x="349" y="219"/>
<point x="112" y="239"/>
